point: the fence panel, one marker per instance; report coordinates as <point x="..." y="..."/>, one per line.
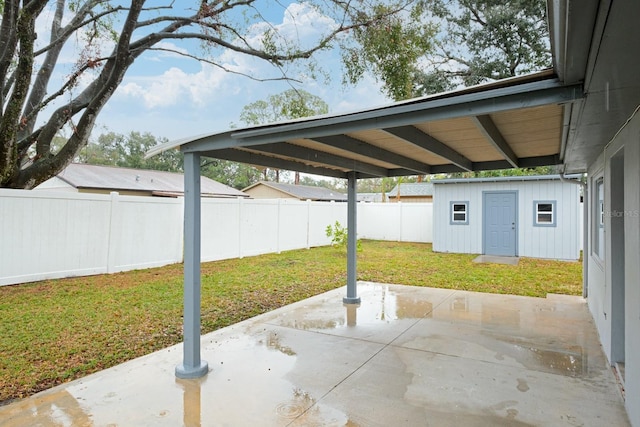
<point x="220" y="225"/>
<point x="145" y="232"/>
<point x="45" y="236"/>
<point x="50" y="234"/>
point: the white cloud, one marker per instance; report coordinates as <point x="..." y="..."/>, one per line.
<point x="173" y="97"/>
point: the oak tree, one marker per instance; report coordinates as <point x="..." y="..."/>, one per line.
<point x="36" y="106"/>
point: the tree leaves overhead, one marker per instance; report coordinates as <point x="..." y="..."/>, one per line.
<point x="104" y="38"/>
<point x="391" y="50"/>
<point x="444" y="44"/>
<point x="490" y="39"/>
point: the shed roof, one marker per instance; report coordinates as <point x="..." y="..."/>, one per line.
<point x="303" y="192"/>
<point x="83" y="176"/>
<point x="412" y="189"/>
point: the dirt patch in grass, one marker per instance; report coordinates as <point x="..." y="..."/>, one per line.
<point x="59" y="330"/>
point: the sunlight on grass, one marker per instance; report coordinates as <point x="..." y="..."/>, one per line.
<point x="58" y="330"/>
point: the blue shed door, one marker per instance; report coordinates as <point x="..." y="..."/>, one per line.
<point x="499" y="223"/>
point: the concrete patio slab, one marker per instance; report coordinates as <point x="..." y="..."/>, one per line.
<point x="406" y="356"/>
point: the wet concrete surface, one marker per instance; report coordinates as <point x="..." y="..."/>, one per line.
<point x="405" y="356"/>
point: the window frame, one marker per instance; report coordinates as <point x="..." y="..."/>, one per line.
<point x="537" y="212"/>
<point x="597" y="229"/>
<point x="453" y="212"/>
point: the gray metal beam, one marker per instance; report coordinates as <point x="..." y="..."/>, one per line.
<point x="352" y="239"/>
<point x="273" y="162"/>
<point x="353" y="145"/>
<point x="525" y="162"/>
<point x="425" y="141"/>
<point x="311" y="155"/>
<point x="493" y="135"/>
<point x="192" y="366"/>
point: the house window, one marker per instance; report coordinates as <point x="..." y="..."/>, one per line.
<point x="459" y="213"/>
<point x="598" y="223"/>
<point x="544" y="213"/>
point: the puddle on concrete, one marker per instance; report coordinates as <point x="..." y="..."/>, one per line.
<point x="58" y="409"/>
<point x="569" y="361"/>
<point x="522" y="385"/>
<point x="380" y="304"/>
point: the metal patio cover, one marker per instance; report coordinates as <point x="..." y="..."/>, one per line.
<point x="518" y="122"/>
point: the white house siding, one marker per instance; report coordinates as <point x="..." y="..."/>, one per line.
<point x="559" y="242"/>
<point x="612" y="296"/>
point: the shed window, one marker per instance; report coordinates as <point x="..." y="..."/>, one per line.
<point x="459" y="213"/>
<point x="544" y="212"/>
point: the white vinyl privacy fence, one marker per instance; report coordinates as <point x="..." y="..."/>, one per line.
<point x="46" y="235"/>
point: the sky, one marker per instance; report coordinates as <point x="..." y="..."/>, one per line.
<point x="174" y="97"/>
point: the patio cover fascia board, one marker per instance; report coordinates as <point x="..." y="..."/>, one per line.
<point x="525" y="95"/>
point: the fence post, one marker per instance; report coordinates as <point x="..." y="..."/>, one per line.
<point x="308" y="223"/>
<point x="278" y="227"/>
<point x="240" y="204"/>
<point x="114" y="225"/>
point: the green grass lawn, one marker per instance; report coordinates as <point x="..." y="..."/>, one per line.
<point x="58" y="330"/>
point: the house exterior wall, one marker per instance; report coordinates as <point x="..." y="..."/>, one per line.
<point x="559" y="242"/>
<point x="265" y="192"/>
<point x="613" y="280"/>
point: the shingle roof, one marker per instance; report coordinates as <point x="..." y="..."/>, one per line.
<point x="304" y="192"/>
<point x="126" y="179"/>
<point x="412" y="189"/>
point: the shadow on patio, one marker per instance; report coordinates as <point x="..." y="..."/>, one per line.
<point x="406" y="356"/>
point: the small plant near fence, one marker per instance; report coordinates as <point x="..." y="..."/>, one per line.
<point x="338" y="235"/>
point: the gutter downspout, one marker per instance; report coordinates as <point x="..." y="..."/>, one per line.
<point x="585" y="230"/>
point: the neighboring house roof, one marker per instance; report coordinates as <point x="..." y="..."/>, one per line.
<point x="303" y="192"/>
<point x="157" y="183"/>
<point x="412" y="189"/>
<point x="506" y="178"/>
<point x="370" y="197"/>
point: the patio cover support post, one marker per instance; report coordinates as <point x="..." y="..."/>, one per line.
<point x="192" y="366"/>
<point x="352" y="230"/>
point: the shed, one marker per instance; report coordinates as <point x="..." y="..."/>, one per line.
<point x="412" y="192"/>
<point x="531" y="216"/>
<point x="96" y="179"/>
<point x="279" y="190"/>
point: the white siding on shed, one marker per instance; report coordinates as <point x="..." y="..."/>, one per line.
<point x="561" y="241"/>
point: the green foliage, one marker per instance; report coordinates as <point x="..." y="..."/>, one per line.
<point x="290" y="104"/>
<point x="391" y="49"/>
<point x="128" y="151"/>
<point x="233" y="174"/>
<point x="491" y="39"/>
<point x="540" y="170"/>
<point x="340" y="236"/>
<point x="452" y="43"/>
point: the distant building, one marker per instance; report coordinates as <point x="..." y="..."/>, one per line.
<point x="411" y="192"/>
<point x="372" y="197"/>
<point x="278" y="190"/>
<point x="82" y="178"/>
